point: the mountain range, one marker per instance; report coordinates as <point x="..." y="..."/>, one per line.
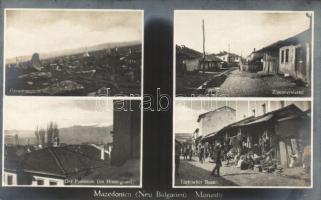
<point x="77" y="134"/>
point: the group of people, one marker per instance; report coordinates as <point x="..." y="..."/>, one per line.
<point x="214" y="153"/>
<point x="188" y="153"/>
<point x="203" y="153"/>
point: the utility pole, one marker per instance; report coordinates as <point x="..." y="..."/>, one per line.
<point x="309" y="15"/>
<point x="203" y="28"/>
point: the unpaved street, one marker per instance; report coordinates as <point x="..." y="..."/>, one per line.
<point x="198" y="174"/>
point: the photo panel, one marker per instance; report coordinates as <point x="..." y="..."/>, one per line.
<point x="234" y="53"/>
<point x="59" y="142"/>
<point x="73" y="52"/>
<point x="242" y="143"/>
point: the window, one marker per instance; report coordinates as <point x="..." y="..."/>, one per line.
<point x="40" y="182"/>
<point x="287" y="55"/>
<point x="282" y="56"/>
<point x="52" y="182"/>
<point x="10" y="179"/>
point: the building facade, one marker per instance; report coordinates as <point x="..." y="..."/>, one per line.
<point x="215" y="120"/>
<point x="126" y="133"/>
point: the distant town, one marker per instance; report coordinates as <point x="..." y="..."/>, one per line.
<point x="101" y="70"/>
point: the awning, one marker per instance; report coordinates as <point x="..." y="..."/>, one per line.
<point x="260" y="120"/>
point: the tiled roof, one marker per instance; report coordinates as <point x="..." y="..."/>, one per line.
<point x="282" y="113"/>
<point x="61" y="161"/>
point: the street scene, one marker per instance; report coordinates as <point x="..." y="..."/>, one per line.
<point x="64" y="142"/>
<point x="243" y="54"/>
<point x="88" y="58"/>
<point x="242" y="143"/>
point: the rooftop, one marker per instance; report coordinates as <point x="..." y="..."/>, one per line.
<point x="60" y="161"/>
<point x="285" y="113"/>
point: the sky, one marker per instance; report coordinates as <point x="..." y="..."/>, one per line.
<point x="27" y="113"/>
<point x="187" y="112"/>
<point x="242" y="31"/>
<point x="43" y="31"/>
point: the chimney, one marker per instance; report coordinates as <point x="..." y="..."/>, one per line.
<point x="254" y="50"/>
<point x="253" y="112"/>
<point x="102" y="152"/>
<point x="282" y="104"/>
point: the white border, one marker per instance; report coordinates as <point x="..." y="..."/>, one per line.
<point x="84" y="98"/>
<point x="233" y="99"/>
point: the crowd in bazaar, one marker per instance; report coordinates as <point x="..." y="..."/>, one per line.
<point x="241" y="152"/>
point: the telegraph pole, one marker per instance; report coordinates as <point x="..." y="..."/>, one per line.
<point x="203" y="28"/>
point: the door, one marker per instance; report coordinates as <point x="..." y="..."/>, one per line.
<point x="283" y="154"/>
<point x="300" y="63"/>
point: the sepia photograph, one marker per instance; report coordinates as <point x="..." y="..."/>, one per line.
<point x="242" y="144"/>
<point x="61" y="52"/>
<point x="52" y="142"/>
<point x="243" y="53"/>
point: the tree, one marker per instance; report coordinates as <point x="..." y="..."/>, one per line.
<point x="56" y="133"/>
<point x="50" y="132"/>
<point x="37" y="136"/>
<point x="42" y="135"/>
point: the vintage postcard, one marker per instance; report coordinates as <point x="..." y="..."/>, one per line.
<point x="70" y="52"/>
<point x="54" y="142"/>
<point x="242" y="143"/>
<point x="243" y="53"/>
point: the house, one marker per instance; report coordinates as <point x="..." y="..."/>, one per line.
<point x="290" y="57"/>
<point x="51" y="166"/>
<point x="281" y="133"/>
<point x="254" y="62"/>
<point x="232" y="59"/>
<point x="295" y="56"/>
<point x="211" y="63"/>
<point x="215" y="120"/>
<point x="187" y="60"/>
<point x="126" y="133"/>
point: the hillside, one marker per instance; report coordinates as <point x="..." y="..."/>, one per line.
<point x="74" y="51"/>
<point x="70" y="135"/>
<point x="85" y="134"/>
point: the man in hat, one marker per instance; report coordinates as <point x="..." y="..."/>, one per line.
<point x="218" y="161"/>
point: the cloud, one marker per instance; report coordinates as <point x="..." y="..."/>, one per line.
<point x="241" y="31"/>
<point x="27" y="113"/>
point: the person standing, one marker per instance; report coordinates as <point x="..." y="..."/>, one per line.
<point x="177" y="157"/>
<point x="190" y="154"/>
<point x="218" y="162"/>
<point x="202" y="154"/>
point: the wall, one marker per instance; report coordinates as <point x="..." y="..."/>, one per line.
<point x="271" y="62"/>
<point x="224" y="57"/>
<point x="215" y="120"/>
<point x="46" y="180"/>
<point x="191" y="65"/>
<point x="5" y="178"/>
<point x="287" y="67"/>
<point x="126" y="138"/>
